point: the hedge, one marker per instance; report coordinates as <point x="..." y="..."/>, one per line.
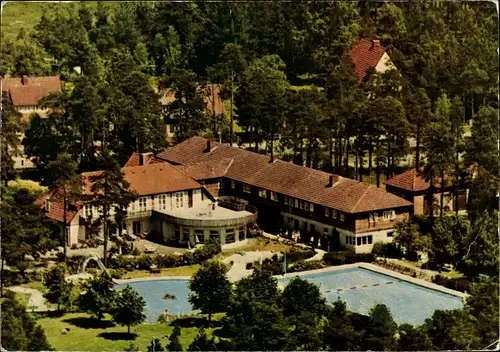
<point x="305" y="266"/>
<point x="347" y="257"/>
<point x="296" y="256"/>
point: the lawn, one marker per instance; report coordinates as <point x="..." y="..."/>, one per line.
<point x="261" y="244"/>
<point x="178" y="271"/>
<point x="87" y="334"/>
<point x="17" y="15"/>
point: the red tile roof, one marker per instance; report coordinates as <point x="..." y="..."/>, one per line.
<point x="409" y="180"/>
<point x="211" y="98"/>
<point x="151" y="179"/>
<point x="56" y="212"/>
<point x="206" y="169"/>
<point x="134" y="160"/>
<point x="366" y="54"/>
<point x="284" y="177"/>
<point x="31" y="90"/>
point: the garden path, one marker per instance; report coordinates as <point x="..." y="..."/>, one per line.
<point x="36" y="301"/>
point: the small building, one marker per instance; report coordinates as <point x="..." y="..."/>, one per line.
<point x="25" y="94"/>
<point x="369" y="54"/>
<point x="211" y="97"/>
<point x="412" y="186"/>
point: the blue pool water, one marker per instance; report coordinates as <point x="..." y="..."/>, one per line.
<point x="360" y="288"/>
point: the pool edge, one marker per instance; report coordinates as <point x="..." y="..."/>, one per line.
<point x="380" y="270"/>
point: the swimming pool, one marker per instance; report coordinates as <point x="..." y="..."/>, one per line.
<point x="360" y="288"/>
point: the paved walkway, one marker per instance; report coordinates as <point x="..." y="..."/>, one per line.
<point x="36" y="301"/>
<point x="318" y="256"/>
<point x="238" y="270"/>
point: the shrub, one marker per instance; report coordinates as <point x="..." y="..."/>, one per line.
<point x="249" y="266"/>
<point x="166" y="261"/>
<point x="462" y="284"/>
<point x="302" y="265"/>
<point x="74" y="246"/>
<point x="387" y="250"/>
<point x="347" y="257"/>
<point x="144" y="262"/>
<point x="296" y="256"/>
<point x="117" y="273"/>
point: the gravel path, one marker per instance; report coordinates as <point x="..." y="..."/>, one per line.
<point x="36" y="301"/>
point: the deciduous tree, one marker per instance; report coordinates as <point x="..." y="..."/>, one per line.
<point x="210" y="289"/>
<point x="128" y="308"/>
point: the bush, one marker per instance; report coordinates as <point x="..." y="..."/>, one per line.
<point x="347" y="257"/>
<point x="117" y="273"/>
<point x="166" y="261"/>
<point x="75" y="262"/>
<point x="144" y="262"/>
<point x="249" y="266"/>
<point x="296" y="256"/>
<point x="462" y="284"/>
<point x="386" y="250"/>
<point x="302" y="265"/>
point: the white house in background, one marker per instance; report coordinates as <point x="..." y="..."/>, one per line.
<point x="366" y="54"/>
<point x="25" y="93"/>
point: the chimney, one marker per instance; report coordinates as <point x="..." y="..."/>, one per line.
<point x="47" y="204"/>
<point x="375" y="42"/>
<point x="210" y="146"/>
<point x="144" y="158"/>
<point x="333" y="180"/>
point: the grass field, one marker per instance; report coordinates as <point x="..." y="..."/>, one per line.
<point x="178" y="271"/>
<point x="17" y="15"/>
<point x="87" y="334"/>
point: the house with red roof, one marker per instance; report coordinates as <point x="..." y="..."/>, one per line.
<point x="200" y="189"/>
<point x="211" y="97"/>
<point x="412" y="186"/>
<point x="369" y="54"/>
<point x="25" y="94"/>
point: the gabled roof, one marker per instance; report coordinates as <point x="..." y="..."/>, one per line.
<point x="284" y="177"/>
<point x="30" y="90"/>
<point x="211" y="98"/>
<point x="366" y="54"/>
<point x="409" y="180"/>
<point x="206" y="169"/>
<point x="135" y="160"/>
<point x="56" y="212"/>
<point x="151" y="179"/>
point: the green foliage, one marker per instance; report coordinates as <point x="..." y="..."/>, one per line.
<point x="409" y="238"/>
<point x="260" y="286"/>
<point x="11" y="126"/>
<point x="338" y="332"/>
<point x="347" y="257"/>
<point x="128" y="308"/>
<point x="381" y="329"/>
<point x="483" y="305"/>
<point x="19" y="330"/>
<point x="454" y="329"/>
<point x="201" y="342"/>
<point x="155" y="346"/>
<point x="58" y="290"/>
<point x="449" y="239"/>
<point x="210" y="289"/>
<point x="98" y="296"/>
<point x="300" y="296"/>
<point x="412" y="338"/>
<point x="131" y="348"/>
<point x="302" y="265"/>
<point x="174" y="344"/>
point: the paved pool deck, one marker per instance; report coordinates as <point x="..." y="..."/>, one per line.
<point x="366" y="266"/>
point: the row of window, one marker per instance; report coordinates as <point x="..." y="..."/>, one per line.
<point x="214" y="234"/>
<point x="29" y="107"/>
<point x="386" y="216"/>
<point x="359" y="241"/>
<point x="176" y="200"/>
<point x="334" y="214"/>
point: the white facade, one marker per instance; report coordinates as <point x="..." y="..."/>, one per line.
<point x="359" y="243"/>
